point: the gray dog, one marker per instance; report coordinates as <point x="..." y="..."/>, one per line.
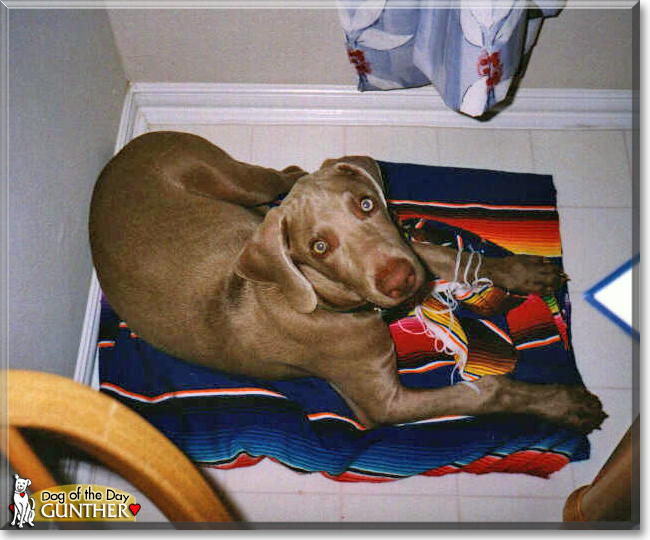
<point x="189" y="255"/>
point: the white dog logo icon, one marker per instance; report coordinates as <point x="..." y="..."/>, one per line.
<point x="23" y="511"/>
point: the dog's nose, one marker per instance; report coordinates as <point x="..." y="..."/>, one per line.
<point x="396" y="278"/>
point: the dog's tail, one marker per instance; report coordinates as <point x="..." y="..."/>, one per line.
<point x="33" y="503"/>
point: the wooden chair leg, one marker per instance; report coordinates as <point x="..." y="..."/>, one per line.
<point x="24" y="461"/>
<point x="112" y="433"/>
<point x="610" y="497"/>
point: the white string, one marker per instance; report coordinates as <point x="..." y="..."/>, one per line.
<point x="447" y="297"/>
<point x="429" y="330"/>
<point x="467" y="266"/>
<point x="472" y="385"/>
<point x="480" y="281"/>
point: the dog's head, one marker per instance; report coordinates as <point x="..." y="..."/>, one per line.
<point x="332" y="239"/>
<point x="21" y="484"/>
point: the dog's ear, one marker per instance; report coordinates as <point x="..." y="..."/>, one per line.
<point x="29" y="482"/>
<point x="265" y="259"/>
<point x="363" y="166"/>
<point x="16" y="476"/>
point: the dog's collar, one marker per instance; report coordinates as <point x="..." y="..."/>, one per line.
<point x="359" y="309"/>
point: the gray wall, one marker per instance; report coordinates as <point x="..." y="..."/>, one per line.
<point x="66" y="89"/>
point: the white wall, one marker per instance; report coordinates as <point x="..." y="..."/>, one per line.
<point x="581" y="48"/>
<point x="66" y="89"/>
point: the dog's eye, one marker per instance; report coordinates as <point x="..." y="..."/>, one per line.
<point x="367" y="204"/>
<point x="320" y="247"/>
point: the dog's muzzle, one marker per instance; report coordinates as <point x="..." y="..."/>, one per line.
<point x="396" y="278"/>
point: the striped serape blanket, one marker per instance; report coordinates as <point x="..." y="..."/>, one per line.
<point x="226" y="421"/>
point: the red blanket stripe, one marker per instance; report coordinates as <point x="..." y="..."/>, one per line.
<point x="531" y="236"/>
<point x="533" y="462"/>
<point x="531" y="321"/>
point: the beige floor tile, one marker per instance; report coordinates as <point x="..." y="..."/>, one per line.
<point x="305" y="146"/>
<point x="590" y="168"/>
<point x="233" y="139"/>
<point x="511" y="509"/>
<point x="403" y="508"/>
<point x="396" y="144"/>
<point x="501" y="150"/>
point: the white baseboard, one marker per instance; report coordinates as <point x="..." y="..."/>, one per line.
<point x="149" y="104"/>
<point x="175" y="103"/>
<point x="131" y="125"/>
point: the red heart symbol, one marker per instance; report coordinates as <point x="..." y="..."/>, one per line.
<point x="135" y="508"/>
<point x="22" y="494"/>
<point x="11" y="507"/>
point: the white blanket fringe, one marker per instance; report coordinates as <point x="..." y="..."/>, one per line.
<point x="447" y="293"/>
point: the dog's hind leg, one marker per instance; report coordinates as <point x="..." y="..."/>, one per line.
<point x="205" y="169"/>
<point x="237" y="182"/>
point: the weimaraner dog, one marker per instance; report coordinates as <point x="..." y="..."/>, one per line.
<point x="188" y="252"/>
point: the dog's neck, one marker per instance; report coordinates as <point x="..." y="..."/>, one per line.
<point x="333" y="296"/>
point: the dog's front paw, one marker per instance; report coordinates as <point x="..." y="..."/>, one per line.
<point x="525" y="274"/>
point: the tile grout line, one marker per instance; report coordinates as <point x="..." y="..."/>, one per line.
<point x="341" y="496"/>
<point x="628" y="154"/>
<point x="518" y="497"/>
<point x="576" y="207"/>
<point x="401" y="495"/>
<point x="529" y="136"/>
<point x="251" y="141"/>
<point x="459" y="513"/>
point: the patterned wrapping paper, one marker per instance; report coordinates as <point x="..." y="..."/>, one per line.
<point x="227" y="421"/>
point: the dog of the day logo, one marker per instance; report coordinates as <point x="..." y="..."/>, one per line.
<point x="71" y="502"/>
<point x="23" y="505"/>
